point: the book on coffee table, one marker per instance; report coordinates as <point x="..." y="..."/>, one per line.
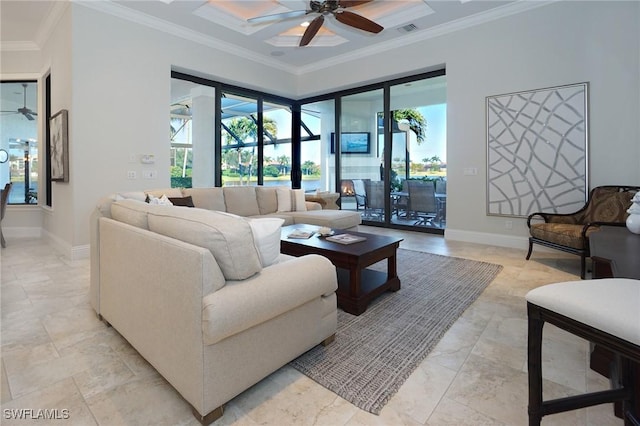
<point x="346" y="238"/>
<point x="300" y="234"/>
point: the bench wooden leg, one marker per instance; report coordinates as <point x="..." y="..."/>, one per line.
<point x="534" y="364"/>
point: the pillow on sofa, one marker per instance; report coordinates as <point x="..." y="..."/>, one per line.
<point x="131" y="212"/>
<point x="134" y="195"/>
<point x="241" y="200"/>
<point x="207" y="198"/>
<point x="158" y="201"/>
<point x="227" y="236"/>
<point x="182" y="201"/>
<point x="266" y="237"/>
<point x="291" y="200"/>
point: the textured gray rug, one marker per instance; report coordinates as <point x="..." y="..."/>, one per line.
<point x="374" y="353"/>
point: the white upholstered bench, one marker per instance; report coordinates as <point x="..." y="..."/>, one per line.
<point x="605" y="312"/>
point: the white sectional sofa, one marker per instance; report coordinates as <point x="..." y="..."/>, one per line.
<point x="205" y="296"/>
<point x="255" y="201"/>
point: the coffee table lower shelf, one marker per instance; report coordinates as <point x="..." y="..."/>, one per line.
<point x="371" y="285"/>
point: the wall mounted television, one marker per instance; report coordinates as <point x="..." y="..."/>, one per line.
<point x="352" y="143"/>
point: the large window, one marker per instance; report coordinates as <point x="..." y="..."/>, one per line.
<point x="18" y="137"/>
<point x="382" y="147"/>
<point x="223" y="135"/>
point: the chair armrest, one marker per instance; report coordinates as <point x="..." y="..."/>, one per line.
<point x="532" y="216"/>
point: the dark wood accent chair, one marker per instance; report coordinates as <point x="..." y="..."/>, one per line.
<point x="607" y="205"/>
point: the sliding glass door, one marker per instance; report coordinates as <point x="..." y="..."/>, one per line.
<point x="361" y="160"/>
<point x="419" y="156"/>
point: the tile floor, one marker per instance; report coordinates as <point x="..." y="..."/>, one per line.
<point x="57" y="355"/>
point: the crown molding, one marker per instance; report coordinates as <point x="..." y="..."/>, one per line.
<point x="114" y="9"/>
<point x="437" y="31"/>
<point x="108" y="7"/>
<point x="57" y="10"/>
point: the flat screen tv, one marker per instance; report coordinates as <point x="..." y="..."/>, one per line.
<point x="352" y="142"/>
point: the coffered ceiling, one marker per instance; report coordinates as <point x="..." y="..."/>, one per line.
<point x="223" y="25"/>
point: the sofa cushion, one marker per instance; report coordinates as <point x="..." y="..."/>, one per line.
<point x="290" y="200"/>
<point x="228" y="237"/>
<point x="241" y="200"/>
<point x="266" y="236"/>
<point x="272" y="293"/>
<point x="131" y="212"/>
<point x="564" y="234"/>
<point x="288" y="219"/>
<point x="207" y="198"/>
<point x="267" y="199"/>
<point x="340" y="219"/>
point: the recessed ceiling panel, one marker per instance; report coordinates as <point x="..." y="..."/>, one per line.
<point x="234" y="14"/>
<point x="291" y="38"/>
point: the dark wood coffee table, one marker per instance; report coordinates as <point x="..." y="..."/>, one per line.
<point x="357" y="286"/>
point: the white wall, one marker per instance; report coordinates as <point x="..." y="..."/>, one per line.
<point x="115" y="83"/>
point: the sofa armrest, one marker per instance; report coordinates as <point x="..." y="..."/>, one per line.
<point x="151" y="289"/>
<point x="277" y="289"/>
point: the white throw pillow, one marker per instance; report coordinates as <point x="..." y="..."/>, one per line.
<point x="291" y="200"/>
<point x="162" y="201"/>
<point x="266" y="237"/>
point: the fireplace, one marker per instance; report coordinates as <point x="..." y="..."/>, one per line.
<point x="346" y="188"/>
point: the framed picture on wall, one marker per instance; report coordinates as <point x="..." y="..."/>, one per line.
<point x="59" y="158"/>
<point x="537" y="144"/>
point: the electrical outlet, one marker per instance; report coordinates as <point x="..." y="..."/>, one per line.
<point x="149" y="174"/>
<point x="470" y="171"/>
<point x="508" y="224"/>
<point x="131" y="174"/>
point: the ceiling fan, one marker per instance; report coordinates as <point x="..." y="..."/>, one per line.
<point x="27" y="112"/>
<point x="326" y="7"/>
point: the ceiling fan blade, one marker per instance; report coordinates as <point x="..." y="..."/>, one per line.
<point x="357" y="21"/>
<point x="29" y="116"/>
<point x="276" y="16"/>
<point x="352" y="3"/>
<point x="312" y="30"/>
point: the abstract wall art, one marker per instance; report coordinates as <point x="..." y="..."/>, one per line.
<point x="537" y="144"/>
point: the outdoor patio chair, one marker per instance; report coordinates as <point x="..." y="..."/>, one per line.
<point x="360" y="193"/>
<point x="374" y="209"/>
<point x="422" y="199"/>
<point x="401" y="200"/>
<point x="607" y="205"/>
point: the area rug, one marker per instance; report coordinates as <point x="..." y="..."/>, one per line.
<point x="374" y="353"/>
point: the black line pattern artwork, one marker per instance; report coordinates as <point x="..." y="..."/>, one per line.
<point x="537" y="151"/>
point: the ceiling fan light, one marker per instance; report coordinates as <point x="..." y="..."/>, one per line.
<point x="305" y="24"/>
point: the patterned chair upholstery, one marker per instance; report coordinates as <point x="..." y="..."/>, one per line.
<point x="607" y="205"/>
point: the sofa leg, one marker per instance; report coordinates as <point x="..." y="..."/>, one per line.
<point x="328" y="340"/>
<point x="208" y="418"/>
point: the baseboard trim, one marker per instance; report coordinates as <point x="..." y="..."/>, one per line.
<point x="66" y="249"/>
<point x="499" y="240"/>
<point x="22" y="232"/>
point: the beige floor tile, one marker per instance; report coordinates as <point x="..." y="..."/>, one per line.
<point x="56" y="354"/>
